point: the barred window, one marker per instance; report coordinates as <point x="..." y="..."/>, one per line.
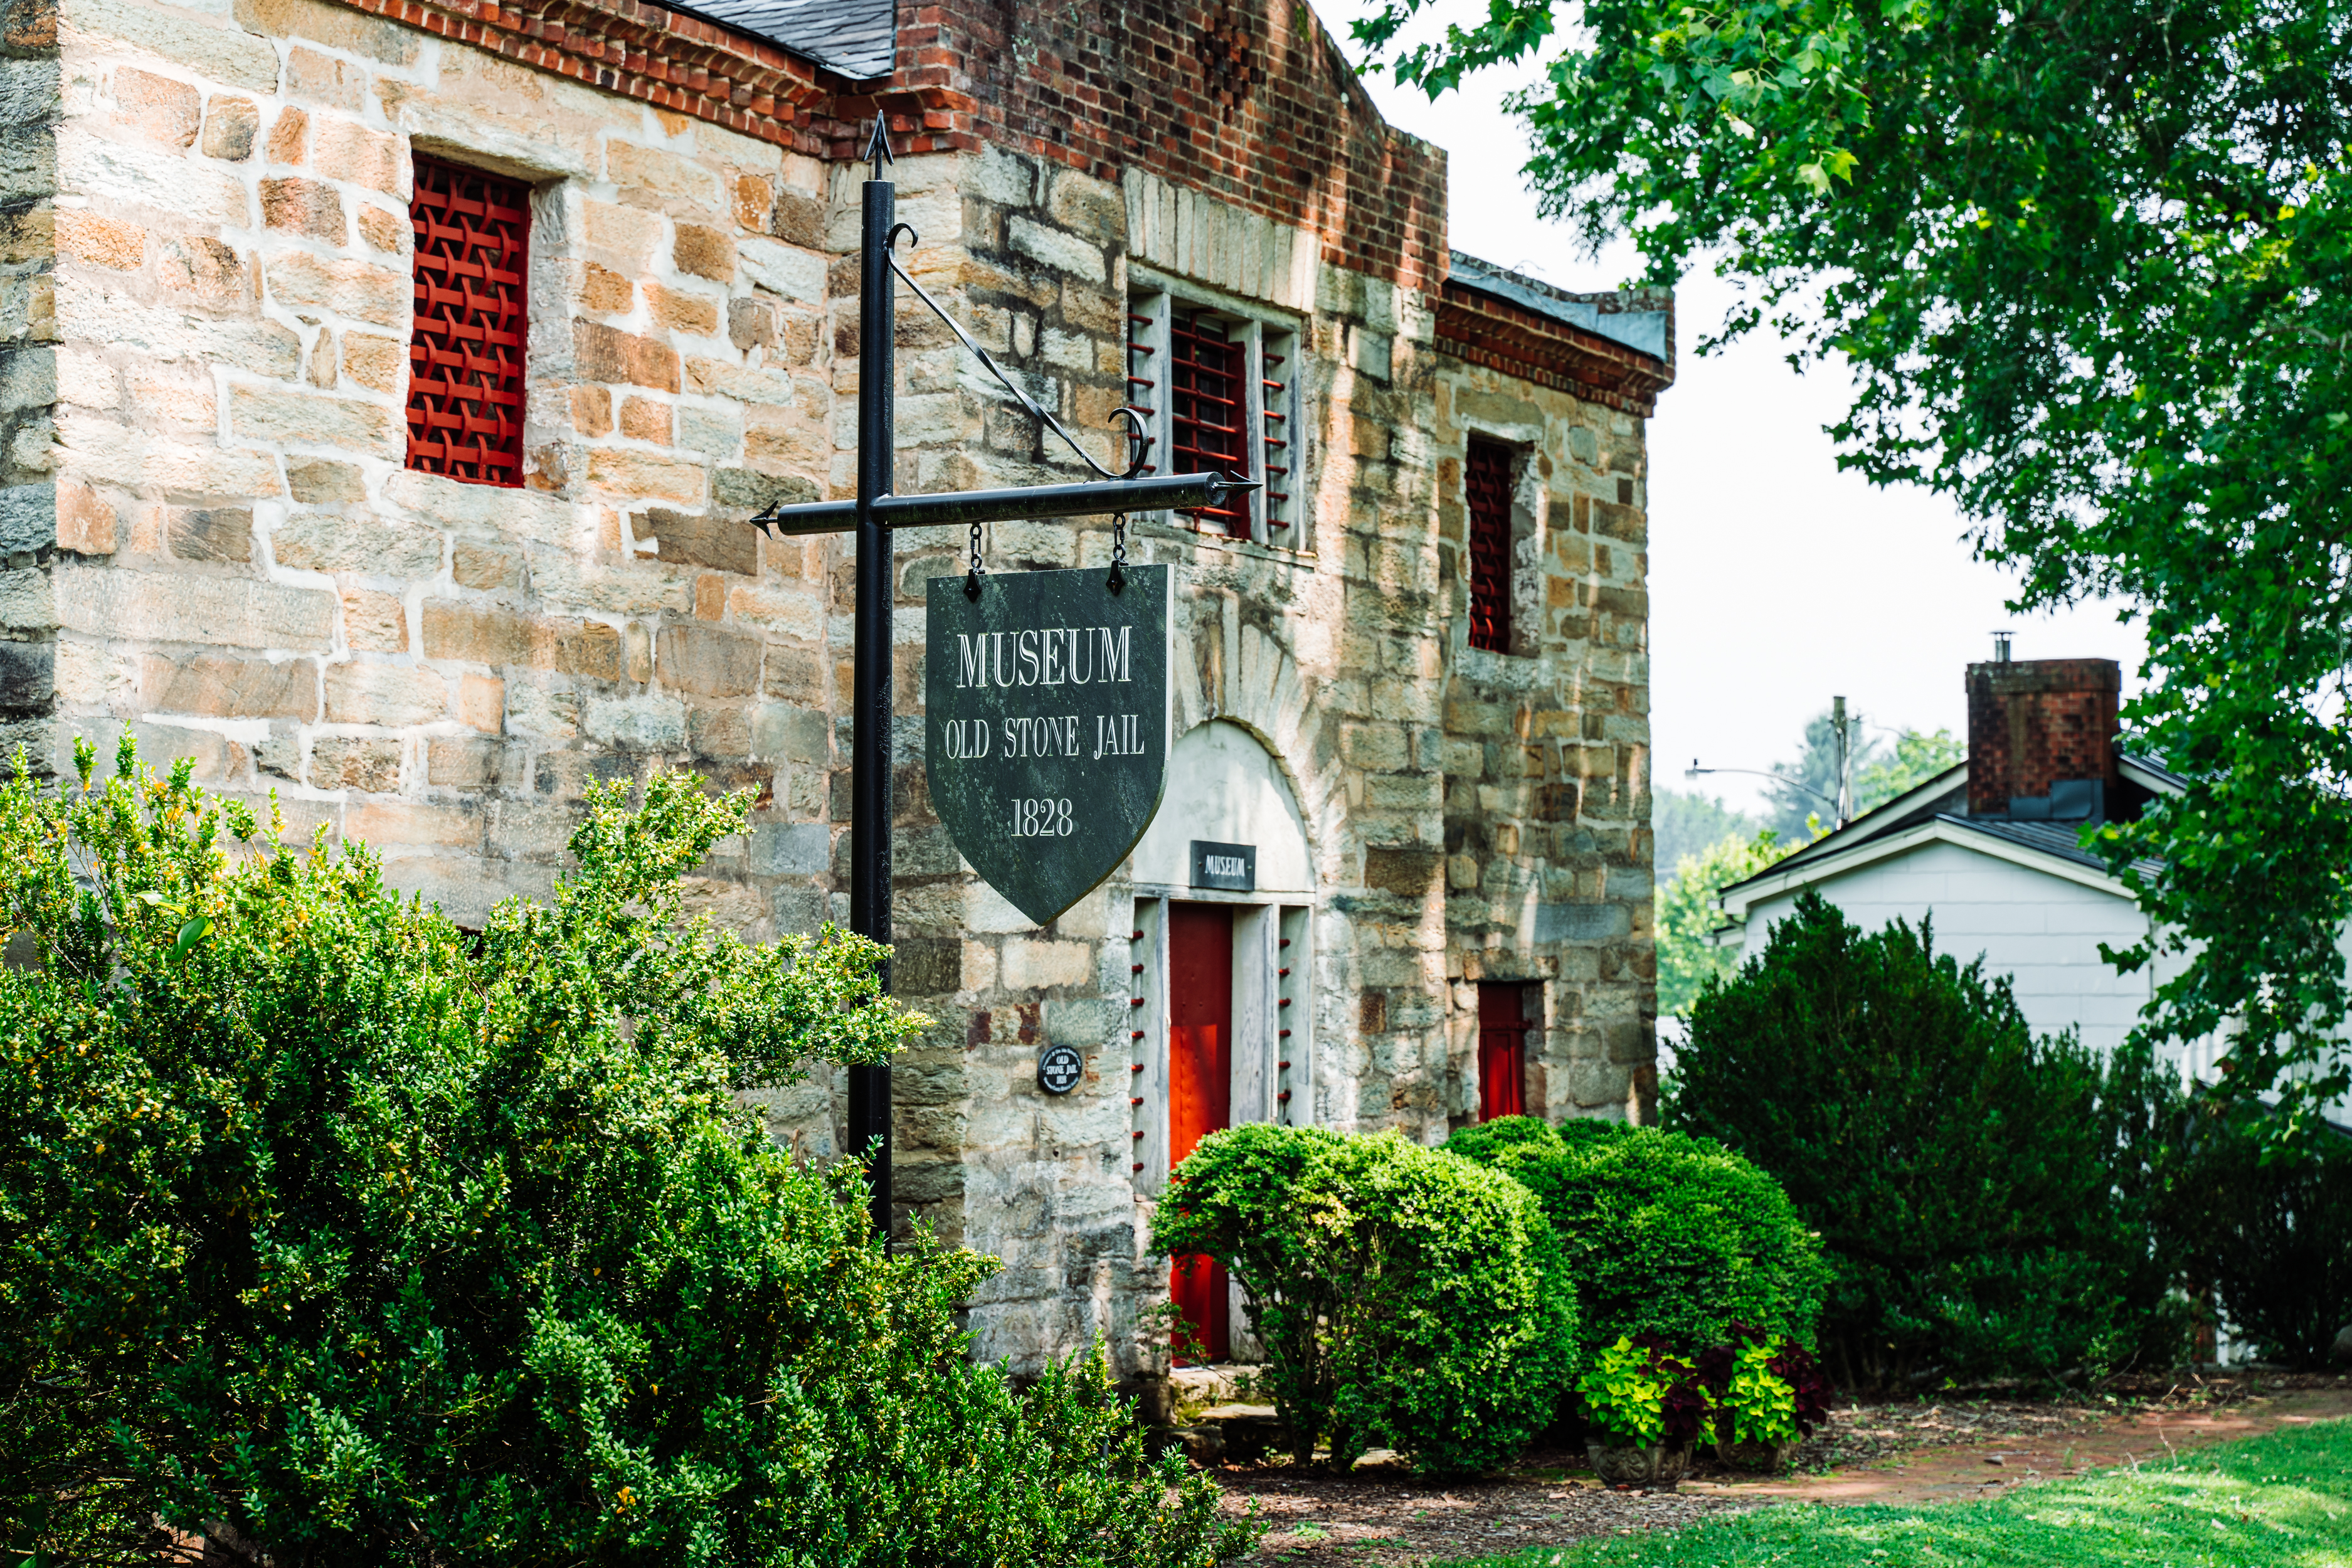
<point x="1486" y="479"/>
<point x="466" y="385"/>
<point x="1217" y="390"/>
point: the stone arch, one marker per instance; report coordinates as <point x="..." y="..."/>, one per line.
<point x="1240" y="674"/>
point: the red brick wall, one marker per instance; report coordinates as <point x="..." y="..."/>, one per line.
<point x="2033" y="720"/>
<point x="1238" y="101"/>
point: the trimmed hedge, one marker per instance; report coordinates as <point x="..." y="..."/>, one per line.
<point x="1405" y="1297"/>
<point x="1661" y="1233"/>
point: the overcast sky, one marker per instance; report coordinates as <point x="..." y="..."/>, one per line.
<point x="1775" y="581"/>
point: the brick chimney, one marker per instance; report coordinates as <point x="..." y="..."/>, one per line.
<point x="2036" y="724"/>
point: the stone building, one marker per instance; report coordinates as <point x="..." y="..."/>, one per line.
<point x="389" y="383"/>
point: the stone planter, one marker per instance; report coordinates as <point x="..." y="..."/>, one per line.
<point x="1659" y="1468"/>
<point x="1758" y="1458"/>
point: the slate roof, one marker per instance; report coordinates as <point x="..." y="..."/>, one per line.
<point x="855" y="38"/>
<point x="1644" y="332"/>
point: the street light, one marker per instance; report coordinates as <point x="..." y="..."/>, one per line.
<point x="1841" y="805"/>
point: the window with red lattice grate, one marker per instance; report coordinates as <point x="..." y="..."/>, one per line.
<point x="1487" y="478"/>
<point x="465" y="386"/>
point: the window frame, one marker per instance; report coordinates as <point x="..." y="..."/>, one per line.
<point x="1270" y="341"/>
<point x="424" y="324"/>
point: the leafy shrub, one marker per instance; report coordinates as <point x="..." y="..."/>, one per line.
<point x="2267" y="1224"/>
<point x="1766" y="1390"/>
<point x="379" y="1246"/>
<point x="1982" y="1196"/>
<point x="1667" y="1234"/>
<point x="1404" y="1297"/>
<point x="1638" y="1393"/>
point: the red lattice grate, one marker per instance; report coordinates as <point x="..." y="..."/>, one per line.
<point x="466" y="352"/>
<point x="1487" y="478"/>
<point x="1205" y="403"/>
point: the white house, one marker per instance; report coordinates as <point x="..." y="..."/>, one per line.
<point x="1990" y="851"/>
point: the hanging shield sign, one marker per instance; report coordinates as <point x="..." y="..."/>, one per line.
<point x="1046" y="722"/>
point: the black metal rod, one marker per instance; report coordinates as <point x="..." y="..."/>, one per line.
<point x="1155" y="493"/>
<point x="870" y="734"/>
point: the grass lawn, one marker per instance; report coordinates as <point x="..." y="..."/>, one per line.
<point x="2284" y="1501"/>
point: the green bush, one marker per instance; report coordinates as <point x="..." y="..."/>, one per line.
<point x="2268" y="1228"/>
<point x="1664" y="1235"/>
<point x="1983" y="1196"/>
<point x="1404" y="1297"/>
<point x="378" y="1245"/>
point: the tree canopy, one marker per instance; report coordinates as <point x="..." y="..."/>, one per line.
<point x="2091" y="267"/>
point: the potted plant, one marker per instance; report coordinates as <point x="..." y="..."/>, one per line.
<point x="1768" y="1396"/>
<point x="1643" y="1407"/>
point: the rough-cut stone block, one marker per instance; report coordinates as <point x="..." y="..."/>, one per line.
<point x="722" y="542"/>
<point x="481" y="702"/>
<point x="230" y="127"/>
<point x="234" y="612"/>
<point x="343" y="151"/>
<point x="669" y="180"/>
<point x="157" y="109"/>
<point x="290" y="137"/>
<point x="102" y="241"/>
<point x="387" y="231"/>
<point x="322" y="79"/>
<point x="112" y="174"/>
<point x="643" y="419"/>
<point x="707" y="660"/>
<point x="636" y="723"/>
<point x="323" y="481"/>
<point x="324" y="542"/>
<point x="606" y="353"/>
<point x="717" y="378"/>
<point x="27" y="674"/>
<point x="645" y="475"/>
<point x="1057" y="249"/>
<point x="304" y="207"/>
<point x="592" y="411"/>
<point x="499" y="638"/>
<point x="374" y="362"/>
<point x="704" y="252"/>
<point x="391" y="695"/>
<point x="86" y="521"/>
<point x="360" y="289"/>
<point x="220" y="54"/>
<point x="210" y="533"/>
<point x="222" y="686"/>
<point x="480" y="566"/>
<point x="336" y="25"/>
<point x="374" y="622"/>
<point x="342" y="762"/>
<point x="293" y="417"/>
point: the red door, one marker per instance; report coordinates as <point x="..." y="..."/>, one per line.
<point x="1200" y="1084"/>
<point x="1502" y="1050"/>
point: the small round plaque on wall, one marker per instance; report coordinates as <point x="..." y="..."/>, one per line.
<point x="1059" y="1067"/>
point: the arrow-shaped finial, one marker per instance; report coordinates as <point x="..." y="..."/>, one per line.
<point x="877" y="148"/>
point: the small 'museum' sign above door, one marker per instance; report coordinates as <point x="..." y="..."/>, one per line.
<point x="1046" y="725"/>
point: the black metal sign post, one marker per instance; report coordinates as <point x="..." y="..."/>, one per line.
<point x="872" y="516"/>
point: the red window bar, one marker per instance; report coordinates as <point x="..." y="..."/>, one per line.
<point x="465" y="351"/>
<point x="1205" y="410"/>
<point x="1278" y="442"/>
<point x="1142" y="391"/>
<point x="1488" y="479"/>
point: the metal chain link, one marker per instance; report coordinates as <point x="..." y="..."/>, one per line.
<point x="979" y="567"/>
<point x="1117" y="551"/>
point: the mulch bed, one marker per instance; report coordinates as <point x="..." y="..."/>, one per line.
<point x="1382" y="1516"/>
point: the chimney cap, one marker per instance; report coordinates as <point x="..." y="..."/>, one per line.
<point x="2001" y="646"/>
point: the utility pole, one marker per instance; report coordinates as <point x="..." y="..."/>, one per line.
<point x="1844" y="771"/>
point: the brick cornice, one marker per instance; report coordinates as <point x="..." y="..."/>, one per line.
<point x="691" y="66"/>
<point x="1479" y="329"/>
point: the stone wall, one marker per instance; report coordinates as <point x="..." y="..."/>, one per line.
<point x="214" y="542"/>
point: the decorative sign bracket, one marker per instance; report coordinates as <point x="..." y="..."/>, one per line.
<point x="872" y="516"/>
